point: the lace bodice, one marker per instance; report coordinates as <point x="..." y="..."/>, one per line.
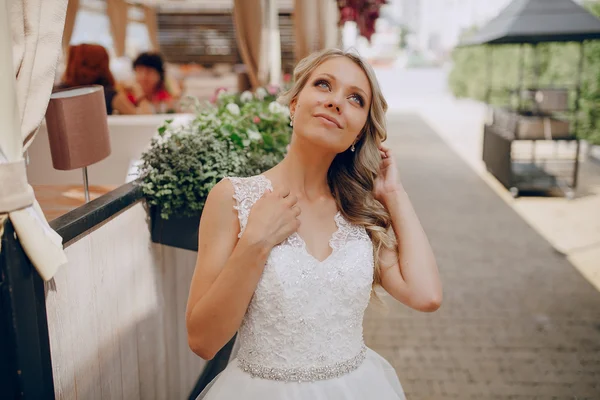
<point x="304" y="321"/>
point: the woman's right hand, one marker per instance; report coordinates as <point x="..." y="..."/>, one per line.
<point x="273" y="218"/>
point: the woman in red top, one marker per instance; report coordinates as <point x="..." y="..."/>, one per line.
<point x="150" y="79"/>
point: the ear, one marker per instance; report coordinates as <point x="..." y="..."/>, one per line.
<point x="293" y="105"/>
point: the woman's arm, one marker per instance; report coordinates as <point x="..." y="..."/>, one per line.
<point x="125" y="107"/>
<point x="227" y="269"/>
<point x="226" y="275"/>
<point x="411" y="275"/>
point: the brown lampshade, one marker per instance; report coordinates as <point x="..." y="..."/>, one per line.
<point x="77" y="127"/>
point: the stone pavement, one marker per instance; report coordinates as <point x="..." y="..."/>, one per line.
<point x="572" y="227"/>
<point x="517" y="322"/>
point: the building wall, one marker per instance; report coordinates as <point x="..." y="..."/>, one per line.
<point x="438" y="24"/>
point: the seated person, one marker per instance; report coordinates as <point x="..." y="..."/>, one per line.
<point x="150" y="78"/>
<point x="88" y="64"/>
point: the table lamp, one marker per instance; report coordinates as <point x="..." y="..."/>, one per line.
<point x="77" y="126"/>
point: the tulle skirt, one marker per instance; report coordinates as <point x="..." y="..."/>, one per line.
<point x="375" y="379"/>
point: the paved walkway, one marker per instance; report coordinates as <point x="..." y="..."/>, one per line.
<point x="571" y="227"/>
<point x="518" y="321"/>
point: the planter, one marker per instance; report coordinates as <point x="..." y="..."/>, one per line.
<point x="180" y="232"/>
<point x="520" y="173"/>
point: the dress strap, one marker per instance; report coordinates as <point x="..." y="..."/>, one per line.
<point x="246" y="192"/>
<point x="346" y="232"/>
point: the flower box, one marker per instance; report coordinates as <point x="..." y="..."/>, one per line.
<point x="177" y="231"/>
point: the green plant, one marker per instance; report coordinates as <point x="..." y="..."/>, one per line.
<point x="239" y="135"/>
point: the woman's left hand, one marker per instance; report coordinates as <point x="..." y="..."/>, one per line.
<point x="387" y="182"/>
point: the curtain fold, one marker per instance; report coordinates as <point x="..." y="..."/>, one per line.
<point x="117" y="12"/>
<point x="31" y="35"/>
<point x="315" y="26"/>
<point x="248" y="19"/>
<point x="306" y="27"/>
<point x="152" y="26"/>
<point x="72" y="8"/>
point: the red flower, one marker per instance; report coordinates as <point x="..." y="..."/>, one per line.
<point x="215" y="96"/>
<point x="363" y="12"/>
<point x="256" y="120"/>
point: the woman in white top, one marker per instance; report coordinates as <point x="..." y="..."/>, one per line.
<point x="289" y="258"/>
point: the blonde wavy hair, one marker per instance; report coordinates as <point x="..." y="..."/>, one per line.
<point x="351" y="176"/>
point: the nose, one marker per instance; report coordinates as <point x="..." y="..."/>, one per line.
<point x="333" y="105"/>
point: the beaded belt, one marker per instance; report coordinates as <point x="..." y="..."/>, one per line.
<point x="304" y="374"/>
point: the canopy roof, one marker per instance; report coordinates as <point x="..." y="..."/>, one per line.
<point x="537" y="21"/>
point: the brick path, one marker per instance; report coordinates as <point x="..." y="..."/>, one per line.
<point x="518" y="321"/>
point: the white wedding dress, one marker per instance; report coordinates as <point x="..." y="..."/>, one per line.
<point x="302" y="335"/>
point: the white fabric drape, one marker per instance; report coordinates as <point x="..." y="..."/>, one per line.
<point x="30" y="43"/>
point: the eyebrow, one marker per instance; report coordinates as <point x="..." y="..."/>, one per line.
<point x="351" y="87"/>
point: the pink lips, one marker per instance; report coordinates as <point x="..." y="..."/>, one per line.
<point x="330" y="119"/>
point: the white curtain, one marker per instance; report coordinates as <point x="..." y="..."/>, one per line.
<point x="30" y="43"/>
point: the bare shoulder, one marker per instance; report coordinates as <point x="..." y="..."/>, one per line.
<point x="219" y="208"/>
<point x="222" y="192"/>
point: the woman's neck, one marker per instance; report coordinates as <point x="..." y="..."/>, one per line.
<point x="304" y="170"/>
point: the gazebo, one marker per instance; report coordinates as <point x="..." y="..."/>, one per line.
<point x="531" y="22"/>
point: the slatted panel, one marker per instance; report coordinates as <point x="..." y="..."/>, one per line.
<point x="198" y="38"/>
<point x="286" y="35"/>
<point x="212" y="5"/>
<point x="209" y="38"/>
<point x="116" y="316"/>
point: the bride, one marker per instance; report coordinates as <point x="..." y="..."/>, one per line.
<point x="289" y="259"/>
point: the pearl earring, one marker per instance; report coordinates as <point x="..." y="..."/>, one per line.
<point x="352" y="148"/>
<point x="291" y="120"/>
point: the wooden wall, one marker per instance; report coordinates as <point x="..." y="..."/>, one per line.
<point x="116" y="316"/>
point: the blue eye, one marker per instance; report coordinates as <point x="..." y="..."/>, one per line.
<point x="358" y="99"/>
<point x="323" y="84"/>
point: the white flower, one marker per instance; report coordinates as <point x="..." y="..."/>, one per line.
<point x="233" y="109"/>
<point x="276" y="108"/>
<point x="246" y="96"/>
<point x="221" y="94"/>
<point x="253" y="135"/>
<point x="182" y="121"/>
<point x="261" y="93"/>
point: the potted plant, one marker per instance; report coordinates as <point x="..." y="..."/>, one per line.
<point x="237" y="135"/>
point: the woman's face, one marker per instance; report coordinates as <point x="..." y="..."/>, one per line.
<point x="147" y="78"/>
<point x="332" y="108"/>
